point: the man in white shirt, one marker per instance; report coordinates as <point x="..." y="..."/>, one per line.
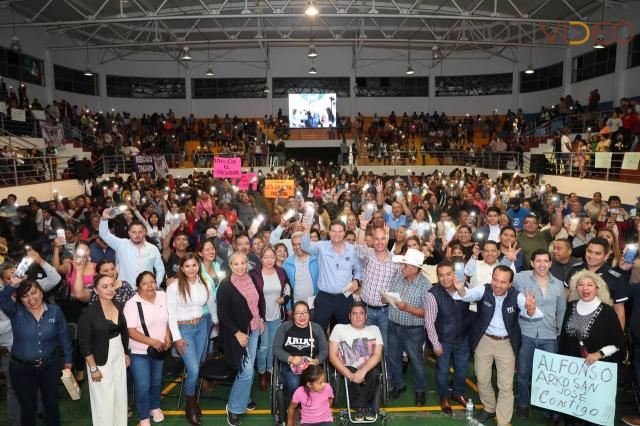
<point x="496" y="338"/>
<point x="565" y="149"/>
<point x="355" y="351"/>
<point x="134" y="255"/>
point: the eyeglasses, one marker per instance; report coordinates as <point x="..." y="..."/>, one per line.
<point x="301" y="314"/>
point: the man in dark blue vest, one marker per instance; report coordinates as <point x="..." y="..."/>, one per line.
<point x="496" y="338"/>
<point x="448" y="324"/>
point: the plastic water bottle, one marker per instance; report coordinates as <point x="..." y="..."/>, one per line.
<point x="469" y="413"/>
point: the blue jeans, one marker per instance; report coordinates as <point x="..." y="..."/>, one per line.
<point x="525" y="364"/>
<point x="241" y="391"/>
<point x="147" y="380"/>
<point x="195" y="337"/>
<point x="380" y="318"/>
<point x="410" y="340"/>
<point x="265" y="351"/>
<point x="460" y="354"/>
<point x="291" y="379"/>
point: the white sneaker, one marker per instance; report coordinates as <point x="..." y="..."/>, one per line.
<point x="157" y="415"/>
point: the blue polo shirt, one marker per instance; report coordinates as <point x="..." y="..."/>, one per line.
<point x="395" y="223"/>
<point x="335" y="270"/>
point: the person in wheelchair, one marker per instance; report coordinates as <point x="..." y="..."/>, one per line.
<point x="355" y="351"/>
<point x="299" y="343"/>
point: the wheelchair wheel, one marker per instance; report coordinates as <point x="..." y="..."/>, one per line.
<point x="334" y="378"/>
<point x="384" y="384"/>
<point x="278" y="410"/>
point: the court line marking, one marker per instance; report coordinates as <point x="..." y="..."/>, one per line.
<point x="469" y="382"/>
<point x="334" y="410"/>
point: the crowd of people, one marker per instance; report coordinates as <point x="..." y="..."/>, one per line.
<point x="465" y="266"/>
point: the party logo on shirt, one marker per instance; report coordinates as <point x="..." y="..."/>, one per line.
<point x="510" y="309"/>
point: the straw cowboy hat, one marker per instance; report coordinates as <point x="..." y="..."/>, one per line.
<point x="411" y="257"/>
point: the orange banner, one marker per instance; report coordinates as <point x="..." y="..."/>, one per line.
<point x="279" y="188"/>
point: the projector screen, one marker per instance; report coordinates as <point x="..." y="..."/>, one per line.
<point x="312" y="110"/>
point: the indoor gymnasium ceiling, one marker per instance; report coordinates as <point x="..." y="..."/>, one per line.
<point x="122" y="28"/>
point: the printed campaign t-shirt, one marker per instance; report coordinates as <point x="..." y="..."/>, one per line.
<point x="356" y="346"/>
<point x="315" y="407"/>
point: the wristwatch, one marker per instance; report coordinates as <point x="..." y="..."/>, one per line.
<point x="601" y="354"/>
<point x="93" y="369"/>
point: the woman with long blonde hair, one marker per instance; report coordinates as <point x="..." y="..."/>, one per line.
<point x="591" y="329"/>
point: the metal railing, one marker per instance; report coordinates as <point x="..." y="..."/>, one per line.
<point x="13" y="141"/>
<point x="583" y="165"/>
<point x="577" y="123"/>
<point x="481" y="159"/>
<point x="20" y="170"/>
<point x="29" y="128"/>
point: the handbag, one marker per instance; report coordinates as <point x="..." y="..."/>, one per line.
<point x="151" y="351"/>
<point x="306" y="361"/>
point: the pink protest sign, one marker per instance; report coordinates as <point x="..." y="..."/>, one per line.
<point x="227" y="167"/>
<point x="248" y="180"/>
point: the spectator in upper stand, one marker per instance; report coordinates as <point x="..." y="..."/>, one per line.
<point x="629" y="123"/>
<point x="517" y="214"/>
<point x="594" y="100"/>
<point x="614" y="122"/>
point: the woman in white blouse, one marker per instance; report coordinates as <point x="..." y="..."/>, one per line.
<point x="187" y="297"/>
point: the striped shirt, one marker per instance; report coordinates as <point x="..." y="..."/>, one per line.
<point x="377" y="276"/>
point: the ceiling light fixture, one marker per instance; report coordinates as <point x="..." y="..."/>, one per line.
<point x="435" y="52"/>
<point x="88" y="72"/>
<point x="311" y="9"/>
<point x="373" y="10"/>
<point x="312" y="51"/>
<point x="15" y="40"/>
<point x="209" y="72"/>
<point x="313" y="70"/>
<point x="600" y="43"/>
<point x="410" y="70"/>
<point x="530" y="69"/>
<point x="266" y="88"/>
<point x="185" y="54"/>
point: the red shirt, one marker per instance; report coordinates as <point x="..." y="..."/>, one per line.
<point x="630" y="121"/>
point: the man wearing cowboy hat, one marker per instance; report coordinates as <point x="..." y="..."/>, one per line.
<point x="406" y="323"/>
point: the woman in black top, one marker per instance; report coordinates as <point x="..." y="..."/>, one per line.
<point x="104" y="342"/>
<point x="591" y="328"/>
<point x="298" y="343"/>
